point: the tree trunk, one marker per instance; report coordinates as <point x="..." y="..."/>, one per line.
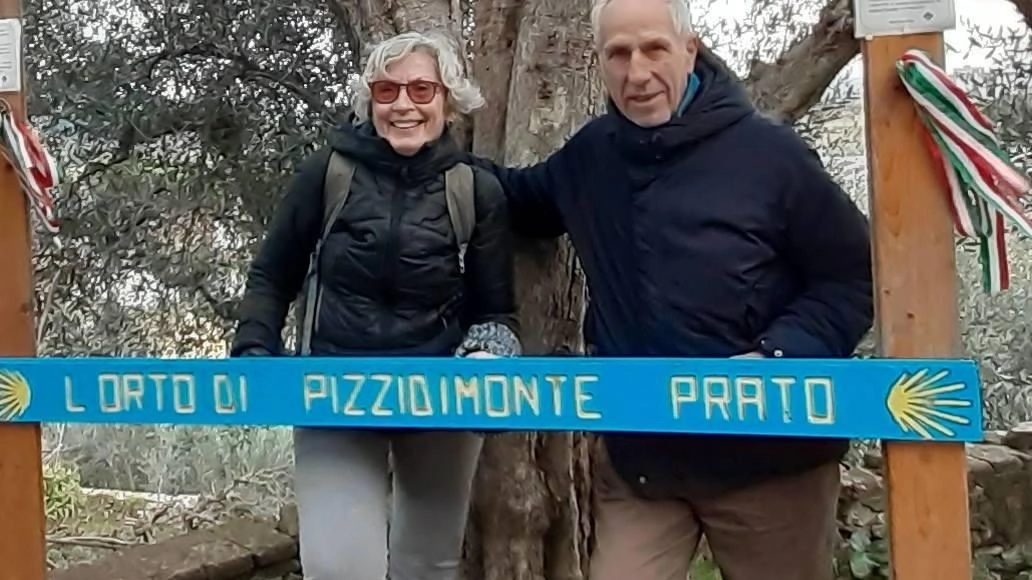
<point x="531" y="516"/>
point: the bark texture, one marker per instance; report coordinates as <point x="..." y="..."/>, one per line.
<point x="531" y="516"/>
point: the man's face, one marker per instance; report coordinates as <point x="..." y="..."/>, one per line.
<point x="645" y="62"/>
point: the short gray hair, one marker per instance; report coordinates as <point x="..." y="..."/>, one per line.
<point x="463" y="96"/>
<point x="680" y="14"/>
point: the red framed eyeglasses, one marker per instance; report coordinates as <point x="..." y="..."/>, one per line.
<point x="419" y="92"/>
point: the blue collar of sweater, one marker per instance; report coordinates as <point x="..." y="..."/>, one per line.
<point x="689" y="94"/>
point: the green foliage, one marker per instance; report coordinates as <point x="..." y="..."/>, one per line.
<point x="177" y="130"/>
<point x="863" y="556"/>
<point x="177" y="460"/>
<point x="996" y="329"/>
<point x="63" y="497"/>
<point x="704" y="569"/>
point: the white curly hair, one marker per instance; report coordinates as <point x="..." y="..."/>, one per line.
<point x="463" y="94"/>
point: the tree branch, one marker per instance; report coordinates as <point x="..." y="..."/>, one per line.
<point x="1025" y="9"/>
<point x="365" y="22"/>
<point x="788" y="87"/>
<point x="494" y="52"/>
<point x="375" y="20"/>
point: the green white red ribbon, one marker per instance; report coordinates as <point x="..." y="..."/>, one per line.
<point x="985" y="188"/>
<point x="37" y="171"/>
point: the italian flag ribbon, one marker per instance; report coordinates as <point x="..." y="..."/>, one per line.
<point x="985" y="188"/>
<point x="37" y="171"/>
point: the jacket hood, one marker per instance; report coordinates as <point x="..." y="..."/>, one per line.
<point x="720" y="102"/>
<point x="361" y="143"/>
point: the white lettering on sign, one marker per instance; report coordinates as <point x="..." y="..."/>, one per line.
<point x="158" y="392"/>
<point x="490" y="395"/>
<point x="747" y="398"/>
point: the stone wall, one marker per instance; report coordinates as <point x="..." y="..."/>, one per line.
<point x="1000" y="487"/>
<point x="1000" y="476"/>
<point x="242" y="549"/>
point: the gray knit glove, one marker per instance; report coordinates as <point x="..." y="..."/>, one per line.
<point x="489" y="340"/>
<point x="492" y="338"/>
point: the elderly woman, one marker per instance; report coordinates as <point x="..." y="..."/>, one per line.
<point x="387" y="278"/>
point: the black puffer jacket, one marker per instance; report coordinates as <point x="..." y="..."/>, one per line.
<point x="390" y="273"/>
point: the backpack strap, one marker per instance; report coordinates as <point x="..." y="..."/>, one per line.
<point x="336" y="187"/>
<point x="458" y="190"/>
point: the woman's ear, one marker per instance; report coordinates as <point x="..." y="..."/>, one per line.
<point x="451" y="116"/>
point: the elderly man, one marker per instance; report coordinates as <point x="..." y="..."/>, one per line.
<point x="705" y="230"/>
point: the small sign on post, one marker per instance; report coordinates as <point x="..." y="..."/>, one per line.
<point x="875" y="18"/>
<point x="915" y="284"/>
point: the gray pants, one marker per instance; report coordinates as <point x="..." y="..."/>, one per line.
<point x="341" y="484"/>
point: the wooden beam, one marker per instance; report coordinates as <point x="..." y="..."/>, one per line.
<point x="916" y="313"/>
<point x="23" y="542"/>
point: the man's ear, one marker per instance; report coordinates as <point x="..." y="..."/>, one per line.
<point x="691" y="42"/>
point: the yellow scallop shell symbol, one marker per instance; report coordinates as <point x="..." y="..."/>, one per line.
<point x="15" y="395"/>
<point x="922" y="404"/>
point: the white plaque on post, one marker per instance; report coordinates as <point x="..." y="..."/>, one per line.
<point x="898" y="17"/>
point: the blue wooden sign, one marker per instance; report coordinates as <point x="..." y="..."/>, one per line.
<point x="864" y="399"/>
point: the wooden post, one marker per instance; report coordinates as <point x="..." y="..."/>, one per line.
<point x="23" y="541"/>
<point x="915" y="303"/>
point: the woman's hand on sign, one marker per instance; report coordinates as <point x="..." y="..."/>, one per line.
<point x="480" y="354"/>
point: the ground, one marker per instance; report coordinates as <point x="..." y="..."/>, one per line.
<point x="84" y="524"/>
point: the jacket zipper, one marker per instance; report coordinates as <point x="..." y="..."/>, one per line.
<point x="391" y="251"/>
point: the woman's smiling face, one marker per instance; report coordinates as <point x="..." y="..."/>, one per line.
<point x="408" y="103"/>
